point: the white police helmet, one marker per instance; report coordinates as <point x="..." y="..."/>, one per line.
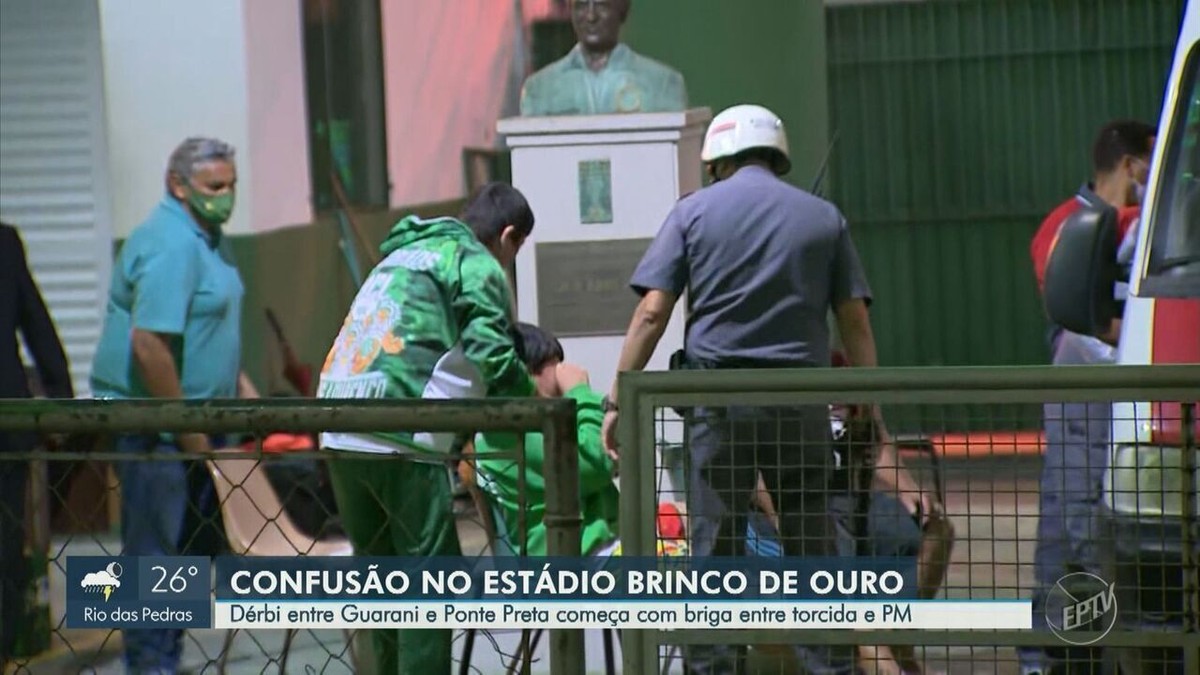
<point x="745" y="127"/>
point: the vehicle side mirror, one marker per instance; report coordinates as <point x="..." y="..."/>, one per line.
<point x="1082" y="272"/>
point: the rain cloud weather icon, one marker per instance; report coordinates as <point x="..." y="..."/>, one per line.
<point x="103" y="581"/>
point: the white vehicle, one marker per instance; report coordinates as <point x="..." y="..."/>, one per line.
<point x="1144" y="501"/>
<point x="1161" y="321"/>
<point x="1144" y="486"/>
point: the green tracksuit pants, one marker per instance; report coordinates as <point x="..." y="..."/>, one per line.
<point x="397" y="507"/>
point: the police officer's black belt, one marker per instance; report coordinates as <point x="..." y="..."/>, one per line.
<point x="679" y="361"/>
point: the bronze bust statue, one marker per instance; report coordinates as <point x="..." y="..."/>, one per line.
<point x="600" y="75"/>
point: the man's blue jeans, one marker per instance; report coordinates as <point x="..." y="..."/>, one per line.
<point x="1076" y="454"/>
<point x="167" y="508"/>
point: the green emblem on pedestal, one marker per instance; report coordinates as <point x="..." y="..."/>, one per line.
<point x="595" y="192"/>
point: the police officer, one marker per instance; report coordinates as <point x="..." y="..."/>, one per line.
<point x="763" y="263"/>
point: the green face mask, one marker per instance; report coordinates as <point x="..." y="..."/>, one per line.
<point x="210" y="209"/>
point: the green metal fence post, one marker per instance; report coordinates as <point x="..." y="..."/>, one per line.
<point x="635" y="433"/>
<point x="562" y="518"/>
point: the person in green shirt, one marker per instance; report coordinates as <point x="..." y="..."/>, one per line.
<point x="431" y="321"/>
<point x="498" y="478"/>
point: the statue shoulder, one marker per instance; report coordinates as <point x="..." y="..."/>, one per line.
<point x="653" y="68"/>
<point x="540" y="87"/>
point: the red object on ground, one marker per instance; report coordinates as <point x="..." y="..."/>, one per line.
<point x="670" y="523"/>
<point x="278" y="443"/>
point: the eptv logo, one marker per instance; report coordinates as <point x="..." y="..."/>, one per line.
<point x="1081" y="603"/>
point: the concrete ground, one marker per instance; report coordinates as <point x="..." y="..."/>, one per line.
<point x="993" y="504"/>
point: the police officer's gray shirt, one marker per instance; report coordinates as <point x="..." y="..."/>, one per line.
<point x="763" y="263"/>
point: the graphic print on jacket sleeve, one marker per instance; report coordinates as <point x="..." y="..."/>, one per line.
<point x="366" y="333"/>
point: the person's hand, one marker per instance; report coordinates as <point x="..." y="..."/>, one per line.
<point x="568" y="376"/>
<point x="920" y="503"/>
<point x="193" y="443"/>
<point x="545" y="382"/>
<point x="608" y="432"/>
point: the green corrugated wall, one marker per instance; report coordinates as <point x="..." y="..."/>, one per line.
<point x="770" y="52"/>
<point x="961" y="124"/>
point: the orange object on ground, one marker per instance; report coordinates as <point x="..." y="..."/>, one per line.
<point x="989" y="443"/>
<point x="277" y="443"/>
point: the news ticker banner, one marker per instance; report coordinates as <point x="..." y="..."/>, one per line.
<point x="516" y="593"/>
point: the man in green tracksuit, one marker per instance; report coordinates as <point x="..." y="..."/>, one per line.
<point x="598" y="496"/>
<point x="430" y="321"/>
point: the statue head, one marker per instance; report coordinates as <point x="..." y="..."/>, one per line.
<point x="598" y="23"/>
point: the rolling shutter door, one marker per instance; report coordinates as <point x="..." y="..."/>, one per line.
<point x="52" y="162"/>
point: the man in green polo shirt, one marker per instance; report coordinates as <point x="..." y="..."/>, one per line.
<point x="172" y="329"/>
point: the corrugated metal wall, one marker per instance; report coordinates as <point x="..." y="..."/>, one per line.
<point x="961" y="124"/>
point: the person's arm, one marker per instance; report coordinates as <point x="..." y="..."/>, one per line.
<point x="164" y="280"/>
<point x="660" y="279"/>
<point x="1128" y="221"/>
<point x="649" y="322"/>
<point x="595" y="467"/>
<point x="891" y="474"/>
<point x="890" y="471"/>
<point x="1112" y="336"/>
<point x="246" y="388"/>
<point x="483" y="306"/>
<point x="851" y="296"/>
<point x="38" y="329"/>
<point x="858" y="339"/>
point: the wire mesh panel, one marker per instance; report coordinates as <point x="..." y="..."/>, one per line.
<point x="1092" y="513"/>
<point x="101" y="476"/>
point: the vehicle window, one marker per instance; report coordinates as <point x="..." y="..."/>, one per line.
<point x="1174" y="260"/>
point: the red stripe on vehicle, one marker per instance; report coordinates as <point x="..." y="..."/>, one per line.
<point x="1175" y="339"/>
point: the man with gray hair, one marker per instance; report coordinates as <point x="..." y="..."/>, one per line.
<point x="173" y="330"/>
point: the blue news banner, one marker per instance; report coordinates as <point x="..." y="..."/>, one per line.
<point x="511" y="592"/>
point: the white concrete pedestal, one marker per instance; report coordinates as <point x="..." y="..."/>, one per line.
<point x="600" y="187"/>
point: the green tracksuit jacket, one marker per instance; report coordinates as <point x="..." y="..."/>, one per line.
<point x="598" y="497"/>
<point x="431" y="321"/>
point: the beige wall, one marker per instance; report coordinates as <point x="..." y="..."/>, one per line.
<point x="226" y="68"/>
<point x="235" y="70"/>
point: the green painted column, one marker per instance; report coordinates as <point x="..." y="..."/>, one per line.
<point x="768" y="52"/>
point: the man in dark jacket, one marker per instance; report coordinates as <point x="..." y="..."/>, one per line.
<point x="21" y="309"/>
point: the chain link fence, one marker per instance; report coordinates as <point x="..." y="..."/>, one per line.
<point x="1099" y="502"/>
<point x="1107" y="487"/>
<point x="98" y="474"/>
